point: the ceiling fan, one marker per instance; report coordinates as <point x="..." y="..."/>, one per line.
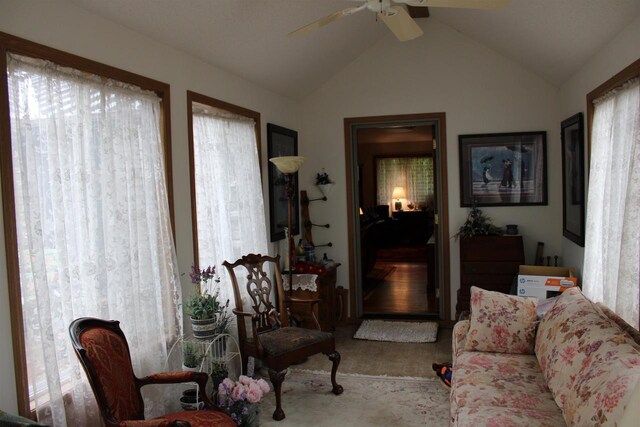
<point x="395" y="16"/>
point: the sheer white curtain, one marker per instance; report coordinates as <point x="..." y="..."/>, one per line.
<point x="414" y="174"/>
<point x="92" y="216"/>
<point x="612" y="250"/>
<point x="229" y="204"/>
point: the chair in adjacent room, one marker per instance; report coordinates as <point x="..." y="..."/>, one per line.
<point x="104" y="353"/>
<point x="271" y="339"/>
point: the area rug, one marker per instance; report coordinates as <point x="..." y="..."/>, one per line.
<point x="367" y="401"/>
<point x="385" y="330"/>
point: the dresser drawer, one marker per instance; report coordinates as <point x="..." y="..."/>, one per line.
<point x="492" y="248"/>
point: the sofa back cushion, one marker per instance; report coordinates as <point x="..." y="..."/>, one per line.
<point x="592" y="367"/>
<point x="501" y="323"/>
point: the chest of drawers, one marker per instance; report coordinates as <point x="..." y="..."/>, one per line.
<point x="488" y="262"/>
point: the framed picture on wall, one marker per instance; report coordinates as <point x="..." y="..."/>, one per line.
<point x="573" y="217"/>
<point x="503" y="169"/>
<point x="281" y="142"/>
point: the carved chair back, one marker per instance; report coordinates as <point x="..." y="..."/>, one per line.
<point x="259" y="287"/>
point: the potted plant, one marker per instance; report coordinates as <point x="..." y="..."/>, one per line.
<point x="218" y="373"/>
<point x="478" y="224"/>
<point x="191" y="356"/>
<point x="208" y="315"/>
<point x="324" y="183"/>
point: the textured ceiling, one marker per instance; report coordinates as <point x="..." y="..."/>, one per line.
<point x="552" y="38"/>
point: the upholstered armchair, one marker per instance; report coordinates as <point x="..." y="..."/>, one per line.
<point x="104" y="353"/>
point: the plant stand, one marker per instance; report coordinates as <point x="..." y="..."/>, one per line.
<point x="222" y="348"/>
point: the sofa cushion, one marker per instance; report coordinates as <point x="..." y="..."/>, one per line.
<point x="507" y="417"/>
<point x="501" y="323"/>
<point x="592" y="366"/>
<point x="508" y="383"/>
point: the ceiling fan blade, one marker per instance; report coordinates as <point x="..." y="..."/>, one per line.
<point x="463" y="4"/>
<point x="326" y="20"/>
<point x="400" y="23"/>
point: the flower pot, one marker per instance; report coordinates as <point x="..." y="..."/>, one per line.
<point x="205" y="328"/>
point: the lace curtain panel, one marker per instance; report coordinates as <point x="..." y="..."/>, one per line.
<point x="94" y="236"/>
<point x="229" y="204"/>
<point x="612" y="249"/>
<point x="414" y="174"/>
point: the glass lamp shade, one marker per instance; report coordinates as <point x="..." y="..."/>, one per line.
<point x="398" y="193"/>
<point x="287" y="164"/>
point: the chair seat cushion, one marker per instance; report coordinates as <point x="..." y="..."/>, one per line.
<point x="202" y="418"/>
<point x="290" y="339"/>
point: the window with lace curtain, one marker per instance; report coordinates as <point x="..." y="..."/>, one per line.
<point x="611" y="272"/>
<point x="93" y="234"/>
<point x="226" y="185"/>
<point x="414" y="174"/>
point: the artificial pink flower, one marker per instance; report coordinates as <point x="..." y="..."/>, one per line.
<point x="264" y="386"/>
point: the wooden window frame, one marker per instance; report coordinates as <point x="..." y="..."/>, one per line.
<point x="13" y="44"/>
<point x="194" y="97"/>
<point x="629" y="72"/>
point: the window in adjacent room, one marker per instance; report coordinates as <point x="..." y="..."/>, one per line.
<point x="414" y="175"/>
<point x="88" y="183"/>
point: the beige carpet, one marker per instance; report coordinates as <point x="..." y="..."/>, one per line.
<point x="367" y="401"/>
<point x="393" y="331"/>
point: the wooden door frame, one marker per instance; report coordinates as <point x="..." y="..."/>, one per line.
<point x="443" y="214"/>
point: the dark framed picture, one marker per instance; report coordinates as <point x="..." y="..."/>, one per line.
<point x="281" y="142"/>
<point x="573" y="218"/>
<point x="503" y="169"/>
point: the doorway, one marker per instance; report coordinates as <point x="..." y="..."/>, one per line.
<point x="397" y="210"/>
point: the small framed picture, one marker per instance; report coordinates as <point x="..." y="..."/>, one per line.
<point x="281" y="142"/>
<point x="503" y="169"/>
<point x="573" y="218"/>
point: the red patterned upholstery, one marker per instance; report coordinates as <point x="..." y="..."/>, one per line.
<point x="104" y="353"/>
<point x="202" y="418"/>
<point x="111" y="361"/>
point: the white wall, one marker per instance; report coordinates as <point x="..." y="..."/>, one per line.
<point x="443" y="71"/>
<point x="66" y="27"/>
<point x="612" y="58"/>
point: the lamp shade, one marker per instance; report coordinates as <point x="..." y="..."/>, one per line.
<point x="287" y="164"/>
<point x="398" y="193"/>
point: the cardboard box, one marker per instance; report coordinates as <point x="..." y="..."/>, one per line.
<point x="545" y="282"/>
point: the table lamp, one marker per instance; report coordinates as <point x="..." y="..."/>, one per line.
<point x="398" y="193"/>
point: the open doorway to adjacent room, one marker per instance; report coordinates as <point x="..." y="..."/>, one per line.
<point x="397" y="204"/>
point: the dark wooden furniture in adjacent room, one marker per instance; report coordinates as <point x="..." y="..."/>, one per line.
<point x="488" y="262"/>
<point x="270" y="338"/>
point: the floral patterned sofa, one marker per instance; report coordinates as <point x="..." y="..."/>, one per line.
<point x="580" y="366"/>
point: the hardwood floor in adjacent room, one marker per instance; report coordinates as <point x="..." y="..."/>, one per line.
<point x="399" y="288"/>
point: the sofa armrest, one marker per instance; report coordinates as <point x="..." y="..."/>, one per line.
<point x="460" y="330"/>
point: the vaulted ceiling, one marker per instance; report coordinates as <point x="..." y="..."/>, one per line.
<point x="552" y="38"/>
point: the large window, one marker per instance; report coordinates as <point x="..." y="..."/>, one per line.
<point x="612" y="247"/>
<point x="228" y="210"/>
<point x="85" y="177"/>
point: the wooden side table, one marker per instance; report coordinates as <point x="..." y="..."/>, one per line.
<point x="325" y="290"/>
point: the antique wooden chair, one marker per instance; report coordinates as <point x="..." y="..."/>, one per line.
<point x="104" y="353"/>
<point x="272" y="340"/>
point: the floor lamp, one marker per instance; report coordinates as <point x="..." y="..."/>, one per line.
<point x="289" y="165"/>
